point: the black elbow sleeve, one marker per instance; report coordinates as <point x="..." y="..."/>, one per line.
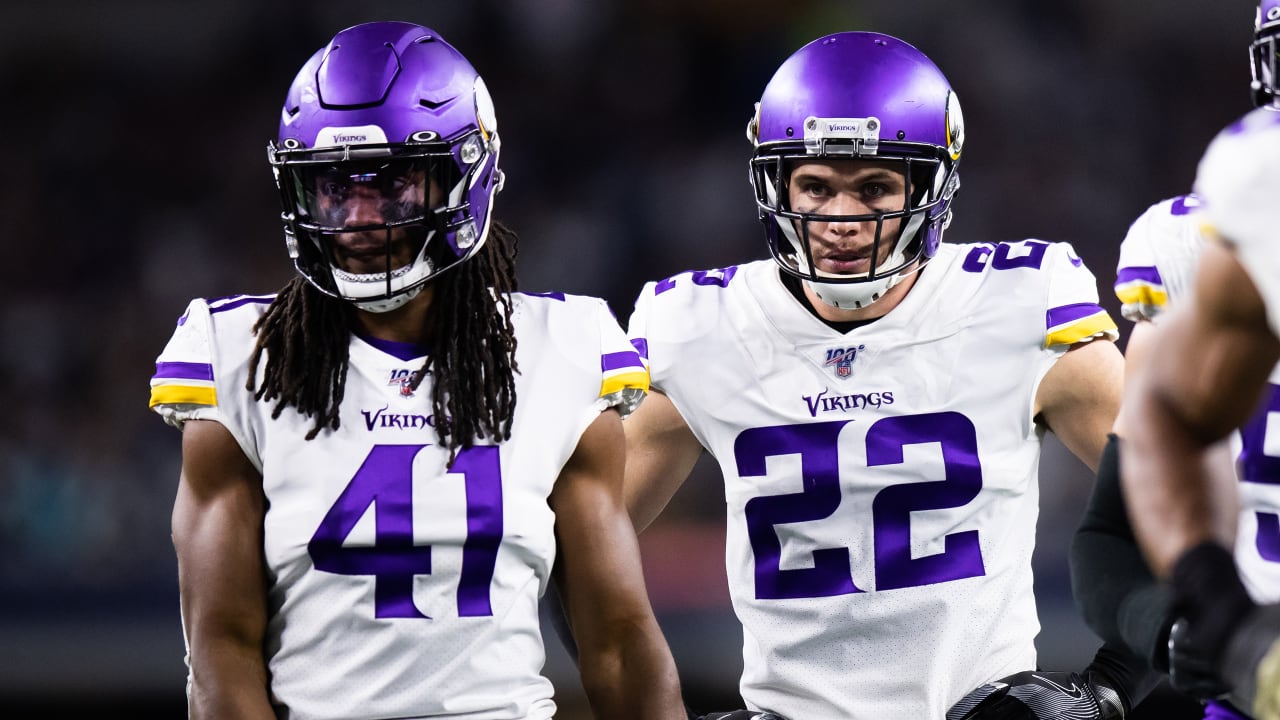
<point x="1113" y="587"/>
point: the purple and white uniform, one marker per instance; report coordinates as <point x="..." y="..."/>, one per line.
<point x="881" y="485"/>
<point x="1156" y="272"/>
<point x="397" y="589"/>
<point x="1238" y="179"/>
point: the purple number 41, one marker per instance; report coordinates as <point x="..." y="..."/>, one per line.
<point x="385" y="481"/>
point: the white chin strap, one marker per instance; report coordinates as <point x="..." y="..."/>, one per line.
<point x="368" y="291"/>
<point x="852" y="296"/>
<point x="387" y="304"/>
<point x="855" y="295"/>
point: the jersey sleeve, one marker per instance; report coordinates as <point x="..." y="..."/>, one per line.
<point x="638" y="328"/>
<point x="1157" y="257"/>
<point x="624" y="377"/>
<point x="1239" y="179"/>
<point x="1073" y="314"/>
<point x="183" y="387"/>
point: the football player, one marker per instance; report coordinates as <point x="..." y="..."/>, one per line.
<point x="1117" y="593"/>
<point x="876" y="400"/>
<point x="1216" y="355"/>
<point x="372" y="498"/>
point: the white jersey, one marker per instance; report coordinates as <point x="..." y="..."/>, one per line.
<point x="398" y="589"/>
<point x="1158" y="257"/>
<point x="1239" y="177"/>
<point x="1157" y="265"/>
<point x="881" y="485"/>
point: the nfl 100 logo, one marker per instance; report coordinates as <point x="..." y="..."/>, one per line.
<point x="403" y="377"/>
<point x="841" y="360"/>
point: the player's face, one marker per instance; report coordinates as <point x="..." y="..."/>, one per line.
<point x="848" y="187"/>
<point x="367" y="197"/>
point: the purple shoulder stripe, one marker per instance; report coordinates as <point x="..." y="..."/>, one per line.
<point x="642" y="346"/>
<point x="619" y="360"/>
<point x="184" y="370"/>
<point x="1145" y="273"/>
<point x="1070" y="313"/>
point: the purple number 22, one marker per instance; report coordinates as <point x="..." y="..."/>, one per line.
<point x="817" y="446"/>
<point x="385" y="480"/>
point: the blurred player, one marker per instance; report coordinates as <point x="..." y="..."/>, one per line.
<point x="1216" y="355"/>
<point x="876" y="401"/>
<point x="1117" y="593"/>
<point x="383" y="462"/>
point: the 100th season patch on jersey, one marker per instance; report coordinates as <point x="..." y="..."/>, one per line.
<point x="881" y="484"/>
<point x="408" y="587"/>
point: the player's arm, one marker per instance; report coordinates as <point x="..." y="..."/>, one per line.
<point x="1079" y="397"/>
<point x="1118" y="596"/>
<point x="661" y="452"/>
<point x="217" y="533"/>
<point x="627" y="669"/>
<point x="1215" y="355"/>
<point x="1116" y="593"/>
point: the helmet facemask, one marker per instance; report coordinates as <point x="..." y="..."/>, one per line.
<point x="1264" y="54"/>
<point x="912" y="229"/>
<point x="414" y="221"/>
<point x="378" y="123"/>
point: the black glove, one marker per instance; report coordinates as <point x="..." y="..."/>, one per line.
<point x="741" y="715"/>
<point x="1208" y="595"/>
<point x="1189" y="671"/>
<point x="1036" y="695"/>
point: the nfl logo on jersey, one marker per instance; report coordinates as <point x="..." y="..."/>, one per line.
<point x="404" y="378"/>
<point x="841" y="359"/>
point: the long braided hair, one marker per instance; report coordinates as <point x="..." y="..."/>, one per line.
<point x="305" y="335"/>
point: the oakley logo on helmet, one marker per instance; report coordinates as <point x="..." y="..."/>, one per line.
<point x="424" y="136"/>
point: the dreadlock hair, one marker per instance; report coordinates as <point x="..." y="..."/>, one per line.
<point x="305" y="335"/>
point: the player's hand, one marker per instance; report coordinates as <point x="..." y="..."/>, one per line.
<point x="1036" y="695"/>
<point x="1189" y="671"/>
<point x="1211" y="602"/>
<point x="741" y="715"/>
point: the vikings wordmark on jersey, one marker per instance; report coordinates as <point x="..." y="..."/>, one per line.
<point x="395" y="573"/>
<point x="881" y="519"/>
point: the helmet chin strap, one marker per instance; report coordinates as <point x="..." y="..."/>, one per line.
<point x="387" y="304"/>
<point x="854" y="296"/>
<point x="367" y="291"/>
<point x="857" y="295"/>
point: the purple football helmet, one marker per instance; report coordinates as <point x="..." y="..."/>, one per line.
<point x="389" y="111"/>
<point x="857" y="95"/>
<point x="1263" y="54"/>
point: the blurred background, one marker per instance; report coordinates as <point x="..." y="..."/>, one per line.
<point x="137" y="179"/>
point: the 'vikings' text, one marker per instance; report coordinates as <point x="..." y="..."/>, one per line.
<point x="401" y="421"/>
<point x="823" y="402"/>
